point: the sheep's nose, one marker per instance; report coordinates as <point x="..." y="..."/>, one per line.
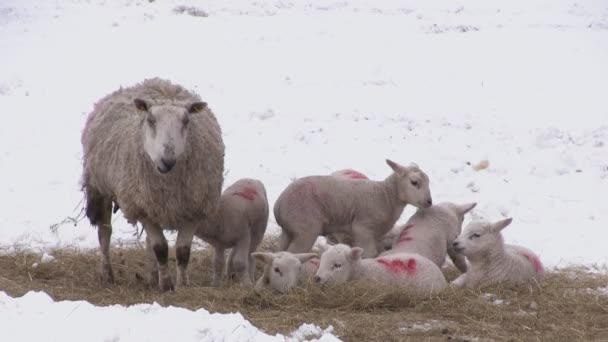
<point x="317" y="279"/>
<point x="168" y="163"/>
<point x="455" y="243"/>
<point x="429" y="202"/>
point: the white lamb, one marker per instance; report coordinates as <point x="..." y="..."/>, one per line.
<point x="411" y="272"/>
<point x="491" y="260"/>
<point x="240" y="224"/>
<point x="319" y="205"/>
<point x="431" y="232"/>
<point x="283" y="270"/>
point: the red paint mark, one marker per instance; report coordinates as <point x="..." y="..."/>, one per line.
<point x="352" y="174"/>
<point x="399" y="266"/>
<point x="403" y="236"/>
<point x="538" y="266"/>
<point x="314" y="262"/>
<point x="247" y="193"/>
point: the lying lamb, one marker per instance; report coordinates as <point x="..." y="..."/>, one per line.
<point x="431" y="231"/>
<point x="414" y="273"/>
<point x="240" y="225"/>
<point x="491" y="260"/>
<point x="319" y="205"/>
<point x="284" y="270"/>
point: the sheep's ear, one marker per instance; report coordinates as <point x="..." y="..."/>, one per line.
<point x="395" y="166"/>
<point x="356" y="253"/>
<point x="465" y="208"/>
<point x="197" y="107"/>
<point x="304" y="257"/>
<point x="502" y="224"/>
<point x="140" y="104"/>
<point x="263" y="257"/>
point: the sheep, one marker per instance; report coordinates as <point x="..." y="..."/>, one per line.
<point x="240" y="224"/>
<point x="431" y="231"/>
<point x="340" y="237"/>
<point x="283" y="270"/>
<point x="319" y="205"/>
<point x="411" y="272"/>
<point x="156" y="151"/>
<point x="491" y="261"/>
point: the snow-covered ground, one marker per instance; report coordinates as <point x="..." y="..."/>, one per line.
<point x="309" y="86"/>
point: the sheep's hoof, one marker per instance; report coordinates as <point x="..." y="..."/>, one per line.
<point x="183" y="280"/>
<point x="107" y="275"/>
<point x="166" y="285"/>
<point x="153" y="278"/>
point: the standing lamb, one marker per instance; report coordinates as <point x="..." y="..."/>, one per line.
<point x="284" y="270"/>
<point x="240" y="224"/>
<point x="157" y="151"/>
<point x="340" y="237"/>
<point x="319" y="205"/>
<point x="411" y="272"/>
<point x="491" y="260"/>
<point x="431" y="231"/>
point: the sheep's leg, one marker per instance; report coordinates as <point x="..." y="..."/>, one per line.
<point x="219" y="261"/>
<point x="366" y="239"/>
<point x="182" y="252"/>
<point x="104" y="232"/>
<point x="458" y="259"/>
<point x="284" y="240"/>
<point x="302" y="241"/>
<point x="152" y="263"/>
<point x="460" y="281"/>
<point x="256" y="239"/>
<point x="239" y="259"/>
<point x="161" y="251"/>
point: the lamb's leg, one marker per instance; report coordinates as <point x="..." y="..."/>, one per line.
<point x="182" y="252"/>
<point x="219" y="261"/>
<point x="366" y="239"/>
<point x="284" y="241"/>
<point x="256" y="239"/>
<point x="152" y="263"/>
<point x="303" y="240"/>
<point x="161" y="251"/>
<point x="458" y="259"/>
<point x="239" y="259"/>
<point x="460" y="281"/>
<point x="104" y="233"/>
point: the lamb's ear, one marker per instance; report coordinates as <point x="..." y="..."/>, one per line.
<point x="140" y="104"/>
<point x="465" y="208"/>
<point x="502" y="224"/>
<point x="304" y="257"/>
<point x="197" y="107"/>
<point x="263" y="257"/>
<point x="356" y="253"/>
<point x="395" y="166"/>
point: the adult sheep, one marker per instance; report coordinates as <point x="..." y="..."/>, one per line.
<point x="157" y="151"/>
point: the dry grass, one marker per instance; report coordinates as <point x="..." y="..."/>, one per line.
<point x="562" y="309"/>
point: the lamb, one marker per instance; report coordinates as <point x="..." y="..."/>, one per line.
<point x="240" y="224"/>
<point x="283" y="270"/>
<point x="492" y="261"/>
<point x="431" y="231"/>
<point x="156" y="151"/>
<point x="409" y="271"/>
<point x="339" y="237"/>
<point x="319" y="205"/>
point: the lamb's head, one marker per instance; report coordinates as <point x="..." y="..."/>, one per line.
<point x="165" y="131"/>
<point x="412" y="185"/>
<point x="480" y="238"/>
<point x="281" y="270"/>
<point x="458" y="210"/>
<point x="336" y="264"/>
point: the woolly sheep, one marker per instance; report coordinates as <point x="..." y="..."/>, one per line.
<point x="413" y="273"/>
<point x="240" y="224"/>
<point x="431" y="231"/>
<point x="283" y="270"/>
<point x="319" y="205"/>
<point x="156" y="151"/>
<point x="491" y="261"/>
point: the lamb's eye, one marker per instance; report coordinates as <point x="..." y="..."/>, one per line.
<point x="337" y="265"/>
<point x="415" y="183"/>
<point x="151" y="120"/>
<point x="185" y="120"/>
<point x="474" y="236"/>
<point x="277" y="270"/>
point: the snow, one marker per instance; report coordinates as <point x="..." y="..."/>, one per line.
<point x="312" y="86"/>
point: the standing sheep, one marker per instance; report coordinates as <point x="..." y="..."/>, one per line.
<point x="431" y="231"/>
<point x="157" y="151"/>
<point x="240" y="224"/>
<point x="319" y="205"/>
<point x="411" y="272"/>
<point x="491" y="260"/>
<point x="339" y="237"/>
<point x="284" y="270"/>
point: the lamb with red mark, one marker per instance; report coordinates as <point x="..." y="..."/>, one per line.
<point x="248" y="193"/>
<point x="349" y="174"/>
<point x="413" y="273"/>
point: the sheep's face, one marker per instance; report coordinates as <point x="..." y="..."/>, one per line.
<point x="336" y="264"/>
<point x="165" y="131"/>
<point x="480" y="237"/>
<point x="282" y="269"/>
<point x="412" y="185"/>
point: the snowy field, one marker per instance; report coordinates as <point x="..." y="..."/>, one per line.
<point x="309" y="87"/>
